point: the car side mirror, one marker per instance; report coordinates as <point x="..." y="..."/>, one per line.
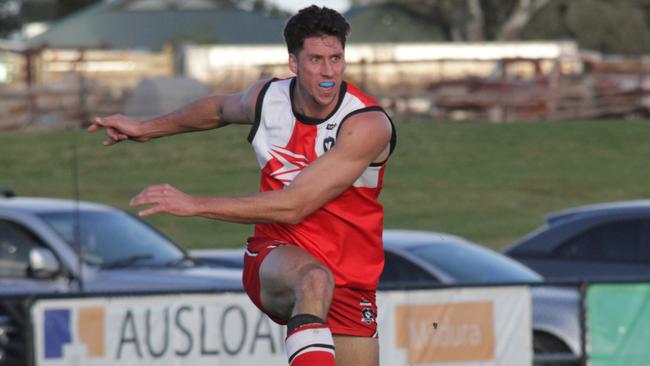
<point x="43" y="263"/>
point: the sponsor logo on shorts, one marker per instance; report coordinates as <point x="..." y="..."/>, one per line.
<point x="367" y="315"/>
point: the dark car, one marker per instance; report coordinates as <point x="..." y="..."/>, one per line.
<point x="417" y="259"/>
<point x="62" y="246"/>
<point x="608" y="241"/>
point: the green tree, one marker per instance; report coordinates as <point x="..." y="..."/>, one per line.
<point x="9" y="17"/>
<point x="474" y="20"/>
<point x="608" y="26"/>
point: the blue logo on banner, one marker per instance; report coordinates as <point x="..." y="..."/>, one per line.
<point x="57" y="332"/>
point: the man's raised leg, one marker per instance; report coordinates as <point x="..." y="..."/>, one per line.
<point x="297" y="287"/>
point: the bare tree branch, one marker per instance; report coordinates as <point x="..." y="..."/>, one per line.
<point x="467" y="21"/>
<point x="522" y="13"/>
<point x="475" y="26"/>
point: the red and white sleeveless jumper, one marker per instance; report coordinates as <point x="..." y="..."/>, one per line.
<point x="346" y="233"/>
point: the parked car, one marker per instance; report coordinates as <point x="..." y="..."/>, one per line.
<point x="417" y="259"/>
<point x="607" y="241"/>
<point x="63" y="246"/>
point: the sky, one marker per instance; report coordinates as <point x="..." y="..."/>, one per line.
<point x="295" y="5"/>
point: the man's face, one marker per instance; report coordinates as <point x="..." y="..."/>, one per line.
<point x="321" y="61"/>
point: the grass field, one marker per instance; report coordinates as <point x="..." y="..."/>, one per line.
<point x="491" y="183"/>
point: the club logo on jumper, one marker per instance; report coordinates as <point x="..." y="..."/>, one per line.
<point x="81" y="327"/>
<point x="328" y="143"/>
<point x="330" y="126"/>
<point x="367" y="315"/>
<point x="290" y="164"/>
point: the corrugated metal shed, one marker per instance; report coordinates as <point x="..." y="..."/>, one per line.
<point x="126" y="25"/>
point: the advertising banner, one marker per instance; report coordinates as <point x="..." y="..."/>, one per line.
<point x="617" y="322"/>
<point x="461" y="327"/>
<point x="197" y="330"/>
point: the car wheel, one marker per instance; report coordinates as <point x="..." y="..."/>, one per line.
<point x="544" y="343"/>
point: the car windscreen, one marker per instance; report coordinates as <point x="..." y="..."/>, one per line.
<point x="470" y="264"/>
<point x="113" y="238"/>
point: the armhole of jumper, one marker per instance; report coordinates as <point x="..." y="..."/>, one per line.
<point x="393" y="136"/>
<point x="258" y="110"/>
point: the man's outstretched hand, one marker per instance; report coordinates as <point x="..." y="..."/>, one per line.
<point x="118" y="128"/>
<point x="165" y="198"/>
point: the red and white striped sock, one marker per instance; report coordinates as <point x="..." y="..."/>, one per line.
<point x="310" y="345"/>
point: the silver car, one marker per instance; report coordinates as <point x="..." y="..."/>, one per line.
<point x="62" y="246"/>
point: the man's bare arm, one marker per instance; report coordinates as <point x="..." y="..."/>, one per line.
<point x="204" y="114"/>
<point x="364" y="138"/>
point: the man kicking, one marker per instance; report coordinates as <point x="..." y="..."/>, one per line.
<point x="314" y="260"/>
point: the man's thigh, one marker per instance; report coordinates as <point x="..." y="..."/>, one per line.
<point x="356" y="351"/>
<point x="280" y="273"/>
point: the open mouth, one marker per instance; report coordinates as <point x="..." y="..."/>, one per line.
<point x="326" y="84"/>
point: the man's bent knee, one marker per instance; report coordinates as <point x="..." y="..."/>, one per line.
<point x="314" y="290"/>
<point x="293" y="282"/>
<point x="316" y="280"/>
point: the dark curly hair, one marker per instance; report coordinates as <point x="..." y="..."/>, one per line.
<point x="314" y="21"/>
